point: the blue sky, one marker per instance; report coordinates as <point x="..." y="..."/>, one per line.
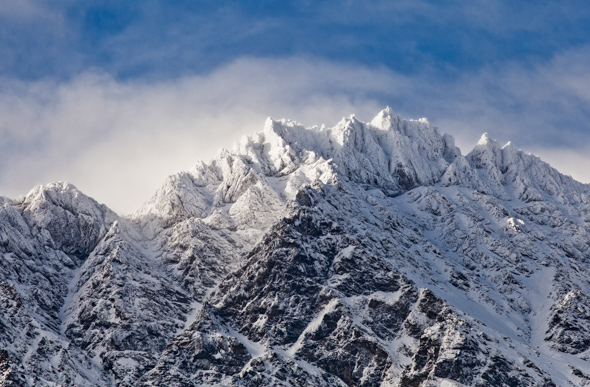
<point x="157" y="39"/>
<point x="114" y="96"/>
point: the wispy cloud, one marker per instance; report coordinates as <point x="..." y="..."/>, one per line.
<point x="118" y="140"/>
<point x="25" y="10"/>
<point x="545" y="103"/>
<point x="156" y="39"/>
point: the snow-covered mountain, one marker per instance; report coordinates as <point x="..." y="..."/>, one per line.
<point x="366" y="254"/>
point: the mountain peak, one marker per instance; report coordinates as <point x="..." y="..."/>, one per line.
<point x="386" y="119"/>
<point x="509" y="145"/>
<point x="486" y="141"/>
<point x="257" y="267"/>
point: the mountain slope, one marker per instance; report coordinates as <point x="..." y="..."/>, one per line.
<point x="362" y="254"/>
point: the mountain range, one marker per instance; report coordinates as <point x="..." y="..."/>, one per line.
<point x="364" y="254"/>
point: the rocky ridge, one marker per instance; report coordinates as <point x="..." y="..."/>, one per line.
<point x="363" y="254"/>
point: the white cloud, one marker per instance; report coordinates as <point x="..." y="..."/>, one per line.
<point x="545" y="104"/>
<point x="32" y="13"/>
<point x="117" y="141"/>
<point x="20" y="8"/>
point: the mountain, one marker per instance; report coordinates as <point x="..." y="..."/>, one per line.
<point x="365" y="254"/>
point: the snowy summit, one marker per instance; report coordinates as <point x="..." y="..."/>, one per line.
<point x="365" y="254"/>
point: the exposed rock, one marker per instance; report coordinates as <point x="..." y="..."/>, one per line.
<point x="366" y="254"/>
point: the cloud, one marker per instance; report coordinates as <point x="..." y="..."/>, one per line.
<point x="160" y="40"/>
<point x="24" y="10"/>
<point x="157" y="39"/>
<point x="118" y="140"/>
<point x="542" y="104"/>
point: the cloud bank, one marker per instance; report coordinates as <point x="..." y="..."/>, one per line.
<point x="161" y="39"/>
<point x="118" y="140"/>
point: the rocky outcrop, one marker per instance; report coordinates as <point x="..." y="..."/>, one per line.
<point x="366" y="254"/>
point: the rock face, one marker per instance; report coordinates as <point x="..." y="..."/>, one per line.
<point x="367" y="254"/>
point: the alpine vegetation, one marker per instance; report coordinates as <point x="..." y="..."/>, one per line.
<point x="364" y="254"/>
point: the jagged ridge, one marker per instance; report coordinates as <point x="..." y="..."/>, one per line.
<point x="363" y="254"/>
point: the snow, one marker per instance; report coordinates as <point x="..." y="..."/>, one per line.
<point x="448" y="383"/>
<point x="347" y="251"/>
<point x="63" y="312"/>
<point x="127" y="362"/>
<point x="255" y="349"/>
<point x="498" y="235"/>
<point x="484" y="139"/>
<point x="313" y="326"/>
<point x="195" y="308"/>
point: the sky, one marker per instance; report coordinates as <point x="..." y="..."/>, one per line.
<point x="115" y="96"/>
